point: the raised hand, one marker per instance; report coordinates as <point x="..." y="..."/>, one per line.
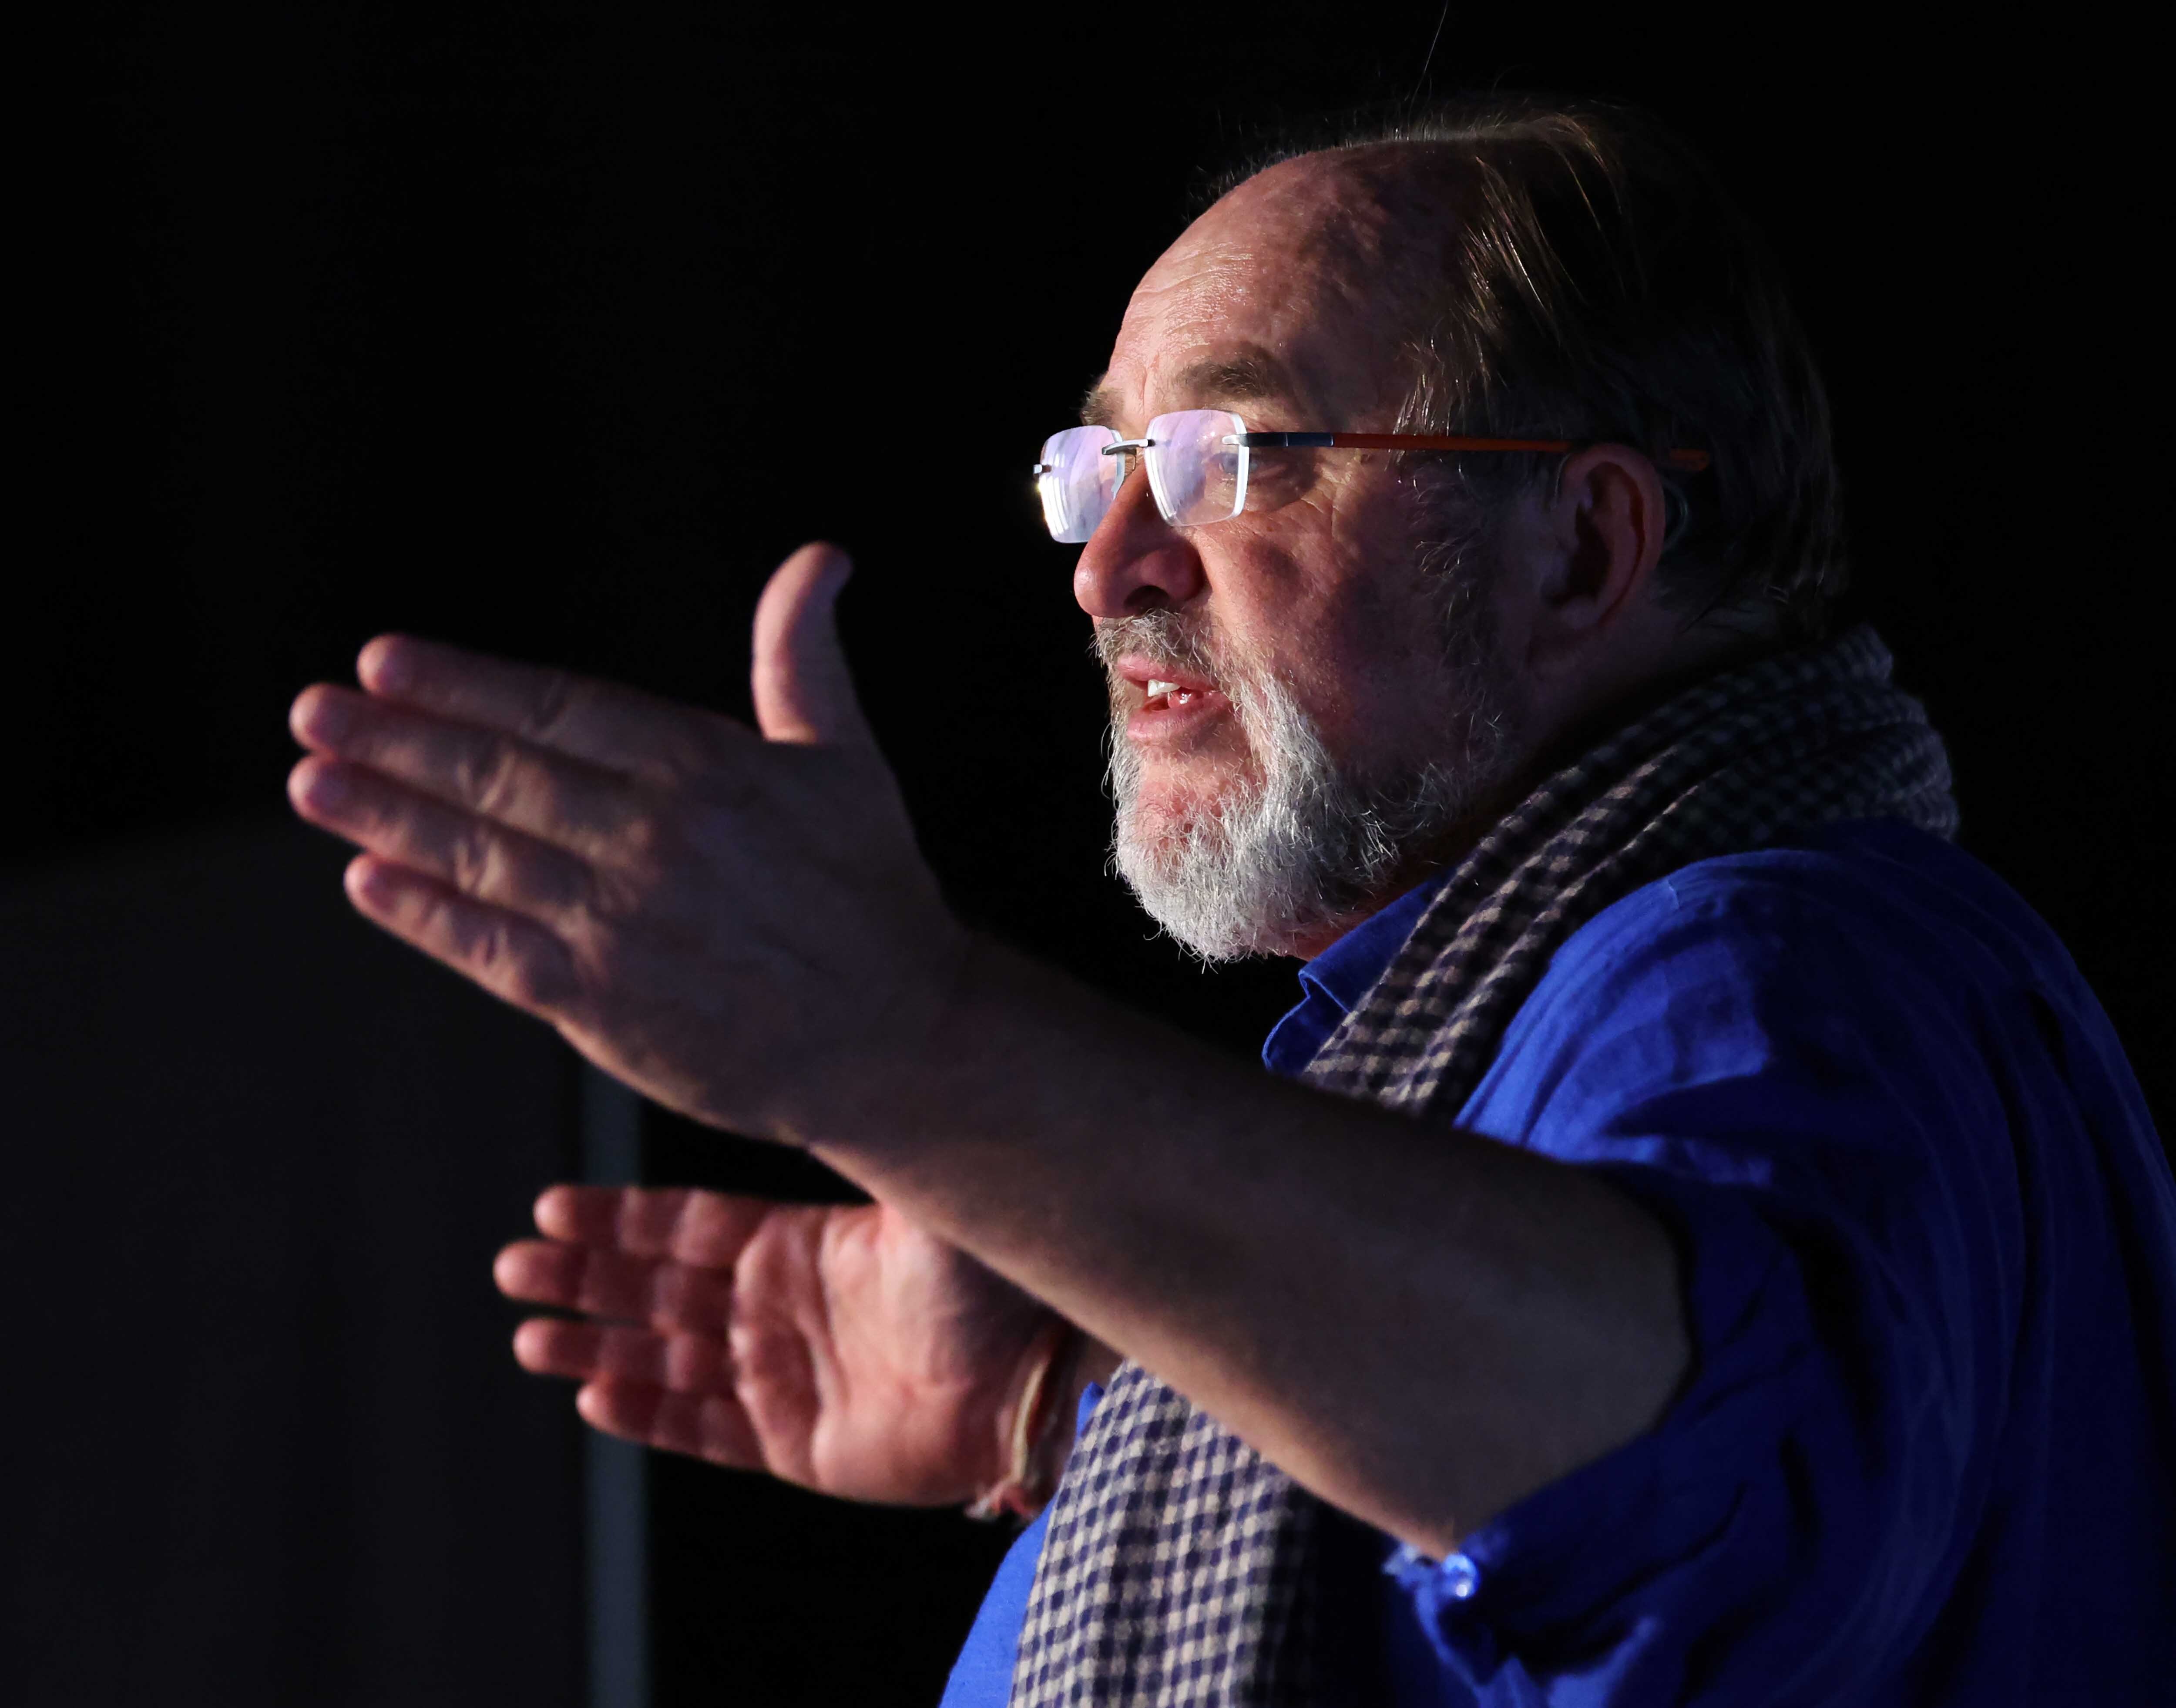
<point x="841" y="1348"/>
<point x="719" y="919"/>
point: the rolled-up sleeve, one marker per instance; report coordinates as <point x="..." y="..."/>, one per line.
<point x="1802" y="1092"/>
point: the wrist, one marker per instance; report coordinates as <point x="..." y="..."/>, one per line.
<point x="1033" y="1428"/>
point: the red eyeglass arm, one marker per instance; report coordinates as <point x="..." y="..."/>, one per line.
<point x="1692" y="462"/>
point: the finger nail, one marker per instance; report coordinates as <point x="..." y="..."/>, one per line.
<point x="366" y="880"/>
<point x="384" y="666"/>
<point x="326" y="789"/>
<point x="320" y="716"/>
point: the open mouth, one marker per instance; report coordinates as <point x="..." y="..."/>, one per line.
<point x="1174" y="706"/>
<point x="1162" y="685"/>
<point x="1163" y="695"/>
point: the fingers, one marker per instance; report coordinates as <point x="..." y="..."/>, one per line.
<point x="804" y="692"/>
<point x="707" y="1427"/>
<point x="683" y="1363"/>
<point x="512" y="956"/>
<point x="708" y="1229"/>
<point x="482" y="860"/>
<point x="602" y="722"/>
<point x="562" y="801"/>
<point x="669" y="1296"/>
<point x="669" y="1385"/>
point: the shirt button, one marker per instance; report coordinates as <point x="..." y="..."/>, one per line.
<point x="1460" y="1577"/>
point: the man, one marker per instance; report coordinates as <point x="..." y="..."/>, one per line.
<point x="1702" y="1243"/>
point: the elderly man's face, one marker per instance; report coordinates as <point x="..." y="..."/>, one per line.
<point x="1288" y="718"/>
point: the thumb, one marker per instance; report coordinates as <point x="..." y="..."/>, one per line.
<point x="803" y="690"/>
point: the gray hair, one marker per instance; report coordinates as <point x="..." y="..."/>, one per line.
<point x="1303" y="844"/>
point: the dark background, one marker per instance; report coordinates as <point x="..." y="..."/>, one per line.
<point x="549" y="330"/>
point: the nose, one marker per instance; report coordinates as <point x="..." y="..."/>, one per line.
<point x="1135" y="560"/>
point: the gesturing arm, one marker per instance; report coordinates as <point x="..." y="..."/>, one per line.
<point x="1419" y="1328"/>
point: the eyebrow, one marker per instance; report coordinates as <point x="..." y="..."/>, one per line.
<point x="1244" y="379"/>
<point x="1100" y="406"/>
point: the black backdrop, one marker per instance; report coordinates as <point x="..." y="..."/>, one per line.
<point x="548" y="329"/>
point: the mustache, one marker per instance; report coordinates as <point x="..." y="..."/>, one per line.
<point x="1179" y="639"/>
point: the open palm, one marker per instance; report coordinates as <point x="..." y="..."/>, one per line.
<point x="839" y="1347"/>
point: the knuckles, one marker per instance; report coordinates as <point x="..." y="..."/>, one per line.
<point x="475" y="861"/>
<point x="647" y="842"/>
<point x="604" y="955"/>
<point x="558" y="694"/>
<point x="521" y="967"/>
<point x="492" y="775"/>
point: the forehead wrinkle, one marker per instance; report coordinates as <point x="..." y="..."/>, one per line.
<point x="1286" y="289"/>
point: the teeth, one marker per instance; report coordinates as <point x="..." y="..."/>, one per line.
<point x="1155" y="689"/>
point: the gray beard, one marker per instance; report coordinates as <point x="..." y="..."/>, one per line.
<point x="1302" y="844"/>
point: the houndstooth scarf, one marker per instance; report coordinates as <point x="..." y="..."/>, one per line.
<point x="1177" y="1571"/>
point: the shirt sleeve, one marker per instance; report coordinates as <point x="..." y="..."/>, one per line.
<point x="1796" y="1079"/>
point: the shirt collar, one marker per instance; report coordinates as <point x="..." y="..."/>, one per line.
<point x="1334" y="981"/>
<point x="1347" y="969"/>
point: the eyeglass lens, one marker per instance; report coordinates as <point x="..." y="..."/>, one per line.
<point x="1076" y="481"/>
<point x="1195" y="475"/>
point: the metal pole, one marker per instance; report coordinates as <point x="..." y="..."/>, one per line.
<point x="615" y="1474"/>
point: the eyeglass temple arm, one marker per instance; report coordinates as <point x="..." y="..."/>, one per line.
<point x="1692" y="462"/>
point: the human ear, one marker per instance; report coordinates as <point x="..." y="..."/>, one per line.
<point x="1607" y="522"/>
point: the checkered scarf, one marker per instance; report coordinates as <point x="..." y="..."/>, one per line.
<point x="1176" y="1573"/>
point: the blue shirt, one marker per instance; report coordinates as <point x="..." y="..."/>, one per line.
<point x="1927" y="1451"/>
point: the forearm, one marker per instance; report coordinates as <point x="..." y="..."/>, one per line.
<point x="1419" y="1325"/>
